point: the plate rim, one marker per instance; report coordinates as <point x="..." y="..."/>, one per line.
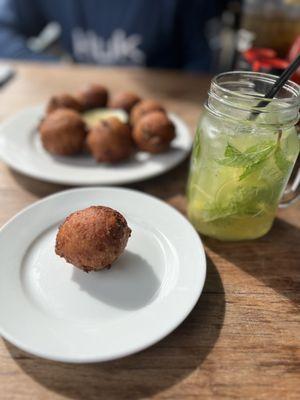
<point x="36" y="174"/>
<point x="163" y="334"/>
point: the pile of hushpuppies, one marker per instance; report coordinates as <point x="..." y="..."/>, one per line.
<point x="64" y="132"/>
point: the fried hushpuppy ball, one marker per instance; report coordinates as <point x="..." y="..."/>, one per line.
<point x="125" y="100"/>
<point x="110" y="141"/>
<point x="92" y="96"/>
<point x="63" y="100"/>
<point x="154" y="132"/>
<point x="144" y="107"/>
<point x="93" y="238"/>
<point x="63" y="132"/>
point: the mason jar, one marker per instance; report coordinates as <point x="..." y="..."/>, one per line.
<point x="243" y="156"/>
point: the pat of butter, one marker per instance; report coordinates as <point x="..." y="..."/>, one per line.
<point x="93" y="116"/>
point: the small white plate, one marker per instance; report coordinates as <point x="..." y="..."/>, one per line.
<point x="21" y="149"/>
<point x="53" y="310"/>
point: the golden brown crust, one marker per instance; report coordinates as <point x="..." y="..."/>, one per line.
<point x="63" y="132"/>
<point x="110" y="141"/>
<point x="144" y="107"/>
<point x="63" y="100"/>
<point x="154" y="132"/>
<point x="93" y="238"/>
<point x="92" y="96"/>
<point x="125" y="101"/>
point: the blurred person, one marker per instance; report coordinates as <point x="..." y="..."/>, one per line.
<point x="153" y="33"/>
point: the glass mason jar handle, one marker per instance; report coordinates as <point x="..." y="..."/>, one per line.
<point x="291" y="193"/>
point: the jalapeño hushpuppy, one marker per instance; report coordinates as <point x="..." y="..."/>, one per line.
<point x="63" y="132"/>
<point x="125" y="101"/>
<point x="92" y="96"/>
<point x="93" y="238"/>
<point x="154" y="132"/>
<point x="144" y="107"/>
<point x="63" y="100"/>
<point x="110" y="141"/>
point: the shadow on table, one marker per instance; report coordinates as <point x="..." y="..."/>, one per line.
<point x="143" y="374"/>
<point x="273" y="259"/>
<point x="117" y="287"/>
<point x="165" y="186"/>
<point x="35" y="186"/>
<point x="168" y="186"/>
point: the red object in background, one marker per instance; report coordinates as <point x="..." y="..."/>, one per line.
<point x="293" y="53"/>
<point x="256" y="53"/>
<point x="266" y="60"/>
<point x="295" y="49"/>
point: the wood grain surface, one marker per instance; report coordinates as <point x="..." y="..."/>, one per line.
<point x="242" y="339"/>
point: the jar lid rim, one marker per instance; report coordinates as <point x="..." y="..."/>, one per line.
<point x="290" y="86"/>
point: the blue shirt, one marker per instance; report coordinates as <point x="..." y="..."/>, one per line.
<point x="154" y="33"/>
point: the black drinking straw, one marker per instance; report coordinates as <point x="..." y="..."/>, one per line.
<point x="282" y="79"/>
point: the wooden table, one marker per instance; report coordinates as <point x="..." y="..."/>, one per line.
<point x="242" y="339"/>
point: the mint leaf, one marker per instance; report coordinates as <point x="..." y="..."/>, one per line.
<point x="251" y="159"/>
<point x="254" y="167"/>
<point x="282" y="163"/>
<point x="256" y="156"/>
<point x="196" y="146"/>
<point x="233" y="157"/>
<point x="244" y="201"/>
<point x="232" y="151"/>
<point x="260" y="150"/>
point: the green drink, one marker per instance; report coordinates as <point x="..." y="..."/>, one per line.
<point x="240" y="168"/>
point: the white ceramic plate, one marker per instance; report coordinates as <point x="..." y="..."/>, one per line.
<point x="53" y="310"/>
<point x="21" y="149"/>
